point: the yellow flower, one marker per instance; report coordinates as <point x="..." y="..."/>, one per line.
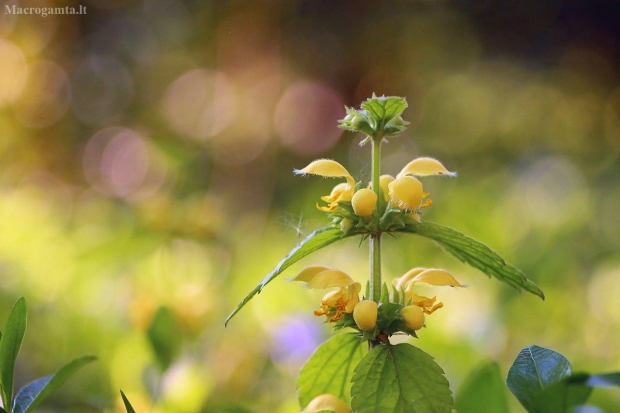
<point x="364" y="202"/>
<point x="414" y="317"/>
<point x="406" y="192"/>
<point x="431" y="276"/>
<point x="335" y="303"/>
<point x="424" y="166"/>
<point x="331" y="169"/>
<point x="365" y="315"/>
<point x="384" y="181"/>
<point x="327" y="402"/>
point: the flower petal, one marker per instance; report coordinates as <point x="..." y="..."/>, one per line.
<point x="401" y="282"/>
<point x="330" y="278"/>
<point x="437" y="277"/>
<point x="308" y="273"/>
<point x="424" y="166"/>
<point x="324" y="167"/>
<point x="327" y="402"/>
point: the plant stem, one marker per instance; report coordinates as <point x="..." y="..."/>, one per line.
<point x="375" y="238"/>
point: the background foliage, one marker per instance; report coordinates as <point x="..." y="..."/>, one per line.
<point x="146" y="157"/>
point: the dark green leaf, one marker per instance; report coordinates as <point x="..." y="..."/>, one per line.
<point x="534" y="370"/>
<point x="313" y="242"/>
<point x="128" y="406"/>
<point x="483" y="391"/>
<point x="330" y="369"/>
<point x="165" y="336"/>
<point x="562" y="396"/>
<point x="14" y="331"/>
<point x="474" y="253"/>
<point x="33" y="393"/>
<point x="400" y="378"/>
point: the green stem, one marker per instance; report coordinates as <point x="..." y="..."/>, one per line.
<point x="375" y="238"/>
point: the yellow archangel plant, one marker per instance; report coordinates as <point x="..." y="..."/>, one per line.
<point x="386" y="377"/>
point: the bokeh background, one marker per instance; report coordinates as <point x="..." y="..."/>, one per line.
<point x="146" y="158"/>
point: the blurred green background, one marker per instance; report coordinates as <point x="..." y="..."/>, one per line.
<point x="146" y="158"/>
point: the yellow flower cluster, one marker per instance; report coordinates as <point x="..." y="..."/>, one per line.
<point x="404" y="192"/>
<point x="335" y="304"/>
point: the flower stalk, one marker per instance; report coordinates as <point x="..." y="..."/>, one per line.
<point x="375" y="238"/>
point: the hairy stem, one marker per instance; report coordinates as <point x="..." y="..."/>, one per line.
<point x="375" y="238"/>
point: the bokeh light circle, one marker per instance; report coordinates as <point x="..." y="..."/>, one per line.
<point x="119" y="162"/>
<point x="200" y="103"/>
<point x="103" y="88"/>
<point x="46" y="97"/>
<point x="13" y="72"/>
<point x="306" y="118"/>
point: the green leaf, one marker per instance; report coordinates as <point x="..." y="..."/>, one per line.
<point x="313" y="242"/>
<point x="474" y="253"/>
<point x="562" y="396"/>
<point x="128" y="406"/>
<point x="165" y="336"/>
<point x="535" y="369"/>
<point x="14" y="331"/>
<point x="383" y="109"/>
<point x="400" y="378"/>
<point x="483" y="391"/>
<point x="330" y="368"/>
<point x="33" y="393"/>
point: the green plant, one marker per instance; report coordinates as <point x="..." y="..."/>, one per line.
<point x="33" y="393"/>
<point x="128" y="406"/>
<point x="341" y="376"/>
<point x="541" y="379"/>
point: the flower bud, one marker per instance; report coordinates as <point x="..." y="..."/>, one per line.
<point x="414" y="317"/>
<point x="364" y="202"/>
<point x="357" y="121"/>
<point x="365" y="314"/>
<point x="406" y="192"/>
<point x="327" y="402"/>
<point x="346" y="224"/>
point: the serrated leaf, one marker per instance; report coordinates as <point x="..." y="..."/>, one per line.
<point x="384" y="109"/>
<point x="165" y="337"/>
<point x="483" y="391"/>
<point x="474" y="253"/>
<point x="128" y="405"/>
<point x="535" y="369"/>
<point x="33" y="393"/>
<point x="313" y="242"/>
<point x="14" y="331"/>
<point x="330" y="368"/>
<point x="400" y="379"/>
